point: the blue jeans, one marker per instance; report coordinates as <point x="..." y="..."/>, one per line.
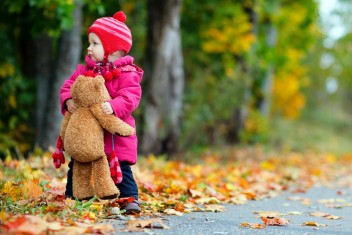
<point x="128" y="186"/>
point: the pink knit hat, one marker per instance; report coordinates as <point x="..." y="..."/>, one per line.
<point x="113" y="33"/>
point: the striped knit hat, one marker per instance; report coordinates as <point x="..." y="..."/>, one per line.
<point x="113" y="33"/>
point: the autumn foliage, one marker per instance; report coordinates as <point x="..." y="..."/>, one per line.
<point x="32" y="191"/>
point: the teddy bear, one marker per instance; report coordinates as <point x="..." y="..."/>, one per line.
<point x="82" y="134"/>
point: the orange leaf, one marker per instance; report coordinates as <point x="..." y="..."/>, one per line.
<point x="180" y="207"/>
<point x="27" y="224"/>
<point x="251" y="225"/>
<point x="31" y="189"/>
<point x="311" y="223"/>
<point x="16" y="223"/>
<point x="274" y="221"/>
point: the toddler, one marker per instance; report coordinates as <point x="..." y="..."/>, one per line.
<point x="110" y="40"/>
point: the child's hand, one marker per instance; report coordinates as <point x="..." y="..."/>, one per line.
<point x="107" y="109"/>
<point x="71" y="105"/>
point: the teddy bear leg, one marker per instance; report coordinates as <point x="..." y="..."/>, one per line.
<point x="103" y="184"/>
<point x="81" y="180"/>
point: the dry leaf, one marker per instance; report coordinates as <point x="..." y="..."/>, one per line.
<point x="136" y="225"/>
<point x="294" y="213"/>
<point x="325" y="215"/>
<point x="172" y="212"/>
<point x="311" y="223"/>
<point x="214" y="208"/>
<point x="251" y="225"/>
<point x="27" y="224"/>
<point x="267" y="213"/>
<point x="180" y="207"/>
<point x="274" y="221"/>
<point x="207" y="200"/>
<point x="31" y="189"/>
<point x="56" y="187"/>
<point x="318" y="214"/>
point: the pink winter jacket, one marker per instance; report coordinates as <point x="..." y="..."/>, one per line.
<point x="125" y="92"/>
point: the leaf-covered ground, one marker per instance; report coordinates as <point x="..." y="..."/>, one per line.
<point x="32" y="191"/>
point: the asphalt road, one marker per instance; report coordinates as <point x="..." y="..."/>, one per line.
<point x="294" y="207"/>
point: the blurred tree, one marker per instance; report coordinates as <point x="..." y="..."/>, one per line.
<point x="30" y="27"/>
<point x="247" y="47"/>
<point x="42" y="41"/>
<point x="165" y="77"/>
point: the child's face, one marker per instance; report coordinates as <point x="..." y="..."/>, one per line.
<point x="95" y="49"/>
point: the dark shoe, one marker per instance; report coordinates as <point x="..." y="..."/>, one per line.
<point x="131" y="208"/>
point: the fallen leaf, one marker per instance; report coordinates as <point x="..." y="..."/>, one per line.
<point x="267" y="213"/>
<point x="195" y="193"/>
<point x="207" y="200"/>
<point x="252" y="225"/>
<point x="56" y="187"/>
<point x="319" y="214"/>
<point x="172" y="212"/>
<point x="96" y="206"/>
<point x="325" y="215"/>
<point x="136" y="225"/>
<point x="180" y="207"/>
<point x="27" y="224"/>
<point x="214" y="208"/>
<point x="294" y="213"/>
<point x="311" y="223"/>
<point x="274" y="221"/>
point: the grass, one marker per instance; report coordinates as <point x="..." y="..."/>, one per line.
<point x="320" y="130"/>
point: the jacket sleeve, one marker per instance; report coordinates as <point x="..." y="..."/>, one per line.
<point x="128" y="95"/>
<point x="66" y="87"/>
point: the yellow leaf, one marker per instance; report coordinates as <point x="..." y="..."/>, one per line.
<point x="12" y="101"/>
<point x="88" y="215"/>
<point x="311" y="223"/>
<point x="31" y="189"/>
<point x="11" y="190"/>
<point x="96" y="206"/>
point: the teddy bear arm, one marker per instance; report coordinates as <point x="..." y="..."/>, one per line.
<point x="111" y="123"/>
<point x="64" y="125"/>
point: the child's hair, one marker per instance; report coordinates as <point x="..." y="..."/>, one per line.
<point x="113" y="33"/>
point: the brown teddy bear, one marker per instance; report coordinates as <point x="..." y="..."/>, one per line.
<point x="82" y="136"/>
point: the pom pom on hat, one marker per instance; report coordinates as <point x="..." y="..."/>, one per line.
<point x="113" y="33"/>
<point x="120" y="16"/>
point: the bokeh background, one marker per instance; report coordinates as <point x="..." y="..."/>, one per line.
<point x="218" y="74"/>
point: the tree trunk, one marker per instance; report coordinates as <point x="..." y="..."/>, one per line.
<point x="240" y="114"/>
<point x="70" y="47"/>
<point x="43" y="74"/>
<point x="164" y="77"/>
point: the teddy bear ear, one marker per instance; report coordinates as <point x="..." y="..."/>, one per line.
<point x="100" y="78"/>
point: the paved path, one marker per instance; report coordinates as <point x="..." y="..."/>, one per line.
<point x="336" y="203"/>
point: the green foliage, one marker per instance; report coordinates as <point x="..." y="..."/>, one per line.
<point x="21" y="21"/>
<point x="213" y="86"/>
<point x="256" y="129"/>
<point x="226" y="56"/>
<point x="16" y="101"/>
<point x="324" y="129"/>
<point x="41" y="15"/>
